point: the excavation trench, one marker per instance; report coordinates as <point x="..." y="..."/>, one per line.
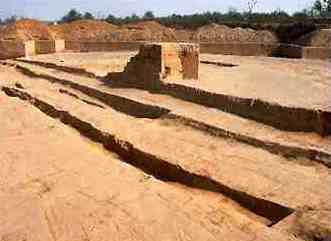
<point x="272" y="114"/>
<point x="72" y="70"/>
<point x="118" y="103"/>
<point x="273" y="147"/>
<point x="66" y="92"/>
<point x="85" y="73"/>
<point x="220" y="64"/>
<point x="155" y="165"/>
<point x="142" y="110"/>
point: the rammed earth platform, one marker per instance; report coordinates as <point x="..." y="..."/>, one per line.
<point x="289" y="94"/>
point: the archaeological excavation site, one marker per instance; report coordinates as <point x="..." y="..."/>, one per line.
<point x="165" y="138"/>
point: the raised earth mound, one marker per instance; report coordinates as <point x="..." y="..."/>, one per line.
<point x="84" y="30"/>
<point x="318" y="38"/>
<point x="221" y="33"/>
<point x="25" y="29"/>
<point x="91" y="30"/>
<point x="146" y="30"/>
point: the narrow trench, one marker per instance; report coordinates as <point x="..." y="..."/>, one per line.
<point x="67" y="92"/>
<point x="220" y="64"/>
<point x="118" y="103"/>
<point x="141" y="110"/>
<point x="71" y="70"/>
<point x="154" y="165"/>
<point x="287" y="152"/>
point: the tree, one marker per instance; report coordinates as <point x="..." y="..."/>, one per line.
<point x="322" y="8"/>
<point x="279" y="15"/>
<point x="149" y="15"/>
<point x="304" y="14"/>
<point x="10" y="20"/>
<point x="134" y="17"/>
<point x="317" y="7"/>
<point x="251" y="5"/>
<point x="111" y="19"/>
<point x="72" y="15"/>
<point x="233" y="15"/>
<point x="328" y="7"/>
<point x="88" y="15"/>
<point x="129" y="19"/>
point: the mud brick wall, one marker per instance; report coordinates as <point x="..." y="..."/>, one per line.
<point x="241" y="49"/>
<point x="16" y="49"/>
<point x="316" y="53"/>
<point x="180" y="61"/>
<point x="125" y="46"/>
<point x="162" y="62"/>
<point x="282" y="117"/>
<point x="59" y="45"/>
<point x="290" y="51"/>
<point x="144" y="69"/>
<point x="11" y="49"/>
<point x="190" y="57"/>
<point x="74" y="46"/>
<point x="102" y="46"/>
<point x="30" y="48"/>
<point x="258" y="49"/>
<point x="45" y="46"/>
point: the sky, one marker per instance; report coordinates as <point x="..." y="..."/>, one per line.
<point x="55" y="9"/>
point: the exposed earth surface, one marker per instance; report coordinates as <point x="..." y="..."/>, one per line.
<point x="82" y="159"/>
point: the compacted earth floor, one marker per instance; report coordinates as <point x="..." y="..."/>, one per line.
<point x="294" y="82"/>
<point x="81" y="160"/>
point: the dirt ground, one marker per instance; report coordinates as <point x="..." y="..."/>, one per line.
<point x="50" y="191"/>
<point x="318" y="38"/>
<point x="85" y="161"/>
<point x="290" y="82"/>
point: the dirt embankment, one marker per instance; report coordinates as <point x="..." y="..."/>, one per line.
<point x="148" y="30"/>
<point x="101" y="31"/>
<point x="153" y="31"/>
<point x="84" y="30"/>
<point x="318" y="38"/>
<point x="90" y="30"/>
<point x="24" y="30"/>
<point x="223" y="34"/>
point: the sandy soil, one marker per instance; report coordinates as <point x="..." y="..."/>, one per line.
<point x="290" y="82"/>
<point x="97" y="62"/>
<point x="231" y="123"/>
<point x="51" y="191"/>
<point x="54" y="179"/>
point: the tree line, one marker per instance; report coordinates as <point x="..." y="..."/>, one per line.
<point x="319" y="9"/>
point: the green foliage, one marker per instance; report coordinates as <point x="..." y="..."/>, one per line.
<point x="111" y="19"/>
<point x="322" y="8"/>
<point x="9" y="20"/>
<point x="232" y="17"/>
<point x="149" y="15"/>
<point x="305" y="14"/>
<point x="133" y="18"/>
<point x="88" y="15"/>
<point x="72" y="15"/>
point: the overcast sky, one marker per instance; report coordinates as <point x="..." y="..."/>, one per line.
<point x="54" y="9"/>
